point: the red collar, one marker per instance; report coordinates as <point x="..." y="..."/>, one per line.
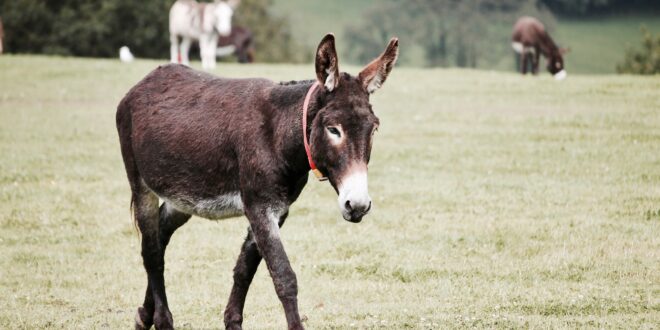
<point x="316" y="171"/>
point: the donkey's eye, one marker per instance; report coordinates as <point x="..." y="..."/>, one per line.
<point x="334" y="131"/>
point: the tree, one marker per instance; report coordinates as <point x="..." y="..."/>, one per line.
<point x="581" y="7"/>
<point x="100" y="27"/>
<point x="273" y="39"/>
<point x="460" y="33"/>
<point x="645" y="60"/>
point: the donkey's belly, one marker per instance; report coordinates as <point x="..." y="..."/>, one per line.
<point x="216" y="208"/>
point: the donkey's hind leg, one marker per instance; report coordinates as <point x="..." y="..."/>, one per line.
<point x="156" y="228"/>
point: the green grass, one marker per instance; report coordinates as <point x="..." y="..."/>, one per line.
<point x="597" y="43"/>
<point x="500" y="202"/>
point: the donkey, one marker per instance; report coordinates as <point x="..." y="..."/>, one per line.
<point x="204" y="22"/>
<point x="529" y="41"/>
<point x="239" y="42"/>
<point x="220" y="148"/>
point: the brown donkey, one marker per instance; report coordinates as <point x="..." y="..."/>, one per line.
<point x="220" y="148"/>
<point x="529" y="40"/>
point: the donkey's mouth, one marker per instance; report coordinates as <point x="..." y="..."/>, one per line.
<point x="355" y="216"/>
<point x="353" y="219"/>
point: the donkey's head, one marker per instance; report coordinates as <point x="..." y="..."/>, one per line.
<point x="556" y="63"/>
<point x="343" y="129"/>
<point x="222" y="14"/>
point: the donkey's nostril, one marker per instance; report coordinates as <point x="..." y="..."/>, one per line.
<point x="368" y="207"/>
<point x="347" y="205"/>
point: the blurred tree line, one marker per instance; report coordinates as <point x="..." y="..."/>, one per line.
<point x="100" y="27"/>
<point x="463" y="33"/>
<point x="445" y="32"/>
<point x="590" y="7"/>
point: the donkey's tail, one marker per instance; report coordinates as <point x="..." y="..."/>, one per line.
<point x="125" y="130"/>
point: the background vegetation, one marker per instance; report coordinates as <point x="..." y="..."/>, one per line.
<point x="597" y="38"/>
<point x="435" y="33"/>
<point x="98" y="28"/>
<point x="473" y="33"/>
<point x="645" y="60"/>
<point x="500" y="202"/>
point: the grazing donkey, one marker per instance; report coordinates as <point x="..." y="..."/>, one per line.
<point x="529" y="41"/>
<point x="219" y="148"/>
<point x="239" y="42"/>
<point x="191" y="20"/>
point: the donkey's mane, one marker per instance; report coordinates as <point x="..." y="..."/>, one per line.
<point x="295" y="82"/>
<point x="548" y="46"/>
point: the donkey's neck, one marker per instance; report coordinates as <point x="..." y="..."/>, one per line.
<point x="287" y="101"/>
<point x="547" y="45"/>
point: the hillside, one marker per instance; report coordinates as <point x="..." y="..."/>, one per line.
<point x="596" y="43"/>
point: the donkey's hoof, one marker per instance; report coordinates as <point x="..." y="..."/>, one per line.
<point x="233" y="326"/>
<point x="143" y="320"/>
<point x="163" y="320"/>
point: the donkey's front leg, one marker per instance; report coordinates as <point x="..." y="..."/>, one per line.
<point x="185" y="50"/>
<point x="246" y="266"/>
<point x="525" y="63"/>
<point x="535" y="60"/>
<point x="264" y="219"/>
<point x="175" y="57"/>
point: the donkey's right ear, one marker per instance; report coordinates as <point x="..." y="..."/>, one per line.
<point x="327" y="65"/>
<point x="233" y="3"/>
<point x="375" y="73"/>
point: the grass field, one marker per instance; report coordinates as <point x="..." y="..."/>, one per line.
<point x="597" y="43"/>
<point x="500" y="202"/>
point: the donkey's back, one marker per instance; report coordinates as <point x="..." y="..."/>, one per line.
<point x="177" y="126"/>
<point x="176" y="92"/>
<point x="528" y="31"/>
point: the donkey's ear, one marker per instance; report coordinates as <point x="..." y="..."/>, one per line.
<point x="233" y="3"/>
<point x="375" y="73"/>
<point x="327" y="65"/>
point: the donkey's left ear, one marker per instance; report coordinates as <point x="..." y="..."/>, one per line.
<point x="233" y="3"/>
<point x="326" y="63"/>
<point x="375" y="73"/>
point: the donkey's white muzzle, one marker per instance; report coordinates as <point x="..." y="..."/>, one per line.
<point x="354" y="200"/>
<point x="561" y="75"/>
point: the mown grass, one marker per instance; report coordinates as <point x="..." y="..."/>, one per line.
<point x="500" y="202"/>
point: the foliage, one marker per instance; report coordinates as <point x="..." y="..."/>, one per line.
<point x="273" y="38"/>
<point x="99" y="28"/>
<point x="448" y="32"/>
<point x="86" y="27"/>
<point x="581" y="7"/>
<point x="645" y="60"/>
